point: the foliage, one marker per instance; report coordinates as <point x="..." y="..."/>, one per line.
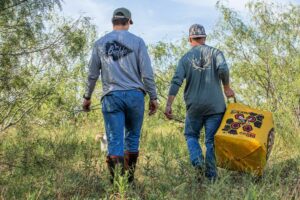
<point x="264" y="54"/>
<point x="42" y="56"/>
<point x="49" y="151"/>
<point x="66" y="163"/>
<point x="164" y="59"/>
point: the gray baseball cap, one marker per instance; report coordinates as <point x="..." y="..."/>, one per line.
<point x="122" y="13"/>
<point x="197" y="31"/>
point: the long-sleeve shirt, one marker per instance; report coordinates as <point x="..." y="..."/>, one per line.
<point x="204" y="68"/>
<point x="123" y="62"/>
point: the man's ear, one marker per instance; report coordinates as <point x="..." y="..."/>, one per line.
<point x="190" y="40"/>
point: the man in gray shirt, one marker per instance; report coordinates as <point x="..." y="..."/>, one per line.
<point x="204" y="69"/>
<point x="126" y="73"/>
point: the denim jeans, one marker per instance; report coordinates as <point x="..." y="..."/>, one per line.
<point x="193" y="126"/>
<point x="123" y="113"/>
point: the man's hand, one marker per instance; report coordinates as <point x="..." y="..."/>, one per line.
<point x="153" y="106"/>
<point x="228" y="91"/>
<point x="86" y="105"/>
<point x="168" y="112"/>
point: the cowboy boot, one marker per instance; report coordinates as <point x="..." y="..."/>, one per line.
<point x="200" y="172"/>
<point x="112" y="163"/>
<point x="130" y="164"/>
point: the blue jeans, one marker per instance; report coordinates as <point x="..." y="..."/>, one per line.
<point x="123" y="113"/>
<point x="193" y="126"/>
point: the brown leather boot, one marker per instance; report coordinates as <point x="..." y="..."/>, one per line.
<point x="112" y="163"/>
<point x="130" y="163"/>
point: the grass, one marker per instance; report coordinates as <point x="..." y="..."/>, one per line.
<point x="66" y="163"/>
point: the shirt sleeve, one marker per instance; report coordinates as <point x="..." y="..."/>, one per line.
<point x="94" y="72"/>
<point x="144" y="64"/>
<point x="177" y="79"/>
<point x="222" y="68"/>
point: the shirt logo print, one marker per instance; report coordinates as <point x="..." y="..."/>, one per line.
<point x="202" y="63"/>
<point x="116" y="50"/>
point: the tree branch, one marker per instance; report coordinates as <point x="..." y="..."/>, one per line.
<point x="16" y="4"/>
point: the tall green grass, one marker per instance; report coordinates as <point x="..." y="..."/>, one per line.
<point x="65" y="162"/>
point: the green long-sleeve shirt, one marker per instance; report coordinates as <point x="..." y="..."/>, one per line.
<point x="204" y="68"/>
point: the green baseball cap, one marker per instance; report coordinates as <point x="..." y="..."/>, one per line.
<point x="122" y="13"/>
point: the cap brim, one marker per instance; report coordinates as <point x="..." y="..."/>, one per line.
<point x="197" y="36"/>
<point x="114" y="18"/>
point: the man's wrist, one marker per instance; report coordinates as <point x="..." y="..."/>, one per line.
<point x="226" y="86"/>
<point x="86" y="97"/>
<point x="153" y="99"/>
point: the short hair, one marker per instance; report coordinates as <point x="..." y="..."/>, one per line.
<point x="120" y="21"/>
<point x="198" y="38"/>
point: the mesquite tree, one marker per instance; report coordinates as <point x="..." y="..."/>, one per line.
<point x="42" y="55"/>
<point x="264" y="53"/>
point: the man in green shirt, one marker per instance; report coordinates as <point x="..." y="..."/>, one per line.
<point x="204" y="69"/>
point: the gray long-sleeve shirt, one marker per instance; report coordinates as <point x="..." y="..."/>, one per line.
<point x="204" y="68"/>
<point x="123" y="62"/>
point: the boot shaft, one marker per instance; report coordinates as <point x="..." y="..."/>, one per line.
<point x="130" y="164"/>
<point x="114" y="162"/>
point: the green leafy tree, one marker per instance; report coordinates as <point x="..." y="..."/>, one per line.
<point x="263" y="51"/>
<point x="165" y="57"/>
<point x="42" y="55"/>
